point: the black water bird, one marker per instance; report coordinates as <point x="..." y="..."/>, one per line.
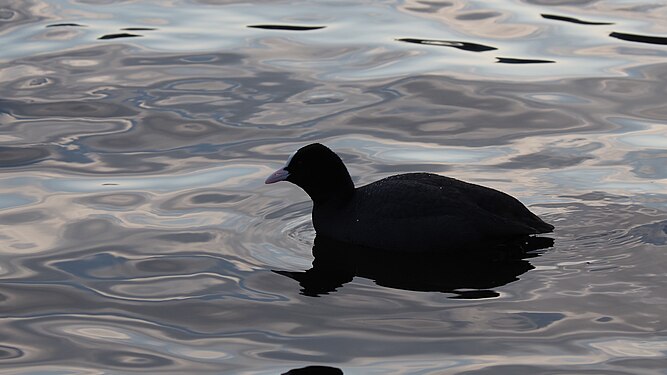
<point x="413" y="212"/>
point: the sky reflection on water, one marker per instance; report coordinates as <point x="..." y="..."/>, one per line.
<point x="138" y="235"/>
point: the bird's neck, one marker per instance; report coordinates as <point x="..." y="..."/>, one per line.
<point x="331" y="191"/>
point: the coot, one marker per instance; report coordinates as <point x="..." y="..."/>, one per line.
<point x="421" y="212"/>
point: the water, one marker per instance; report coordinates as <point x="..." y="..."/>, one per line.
<point x="137" y="234"/>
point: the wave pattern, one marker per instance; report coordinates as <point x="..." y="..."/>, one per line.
<point x="138" y="235"/>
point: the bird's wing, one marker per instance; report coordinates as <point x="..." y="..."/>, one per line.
<point x="431" y="196"/>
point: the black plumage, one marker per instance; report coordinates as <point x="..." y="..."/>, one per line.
<point x="407" y="212"/>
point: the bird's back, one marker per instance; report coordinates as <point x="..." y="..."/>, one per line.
<point x="423" y="211"/>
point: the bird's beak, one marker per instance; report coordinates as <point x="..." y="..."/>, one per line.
<point x="279" y="175"/>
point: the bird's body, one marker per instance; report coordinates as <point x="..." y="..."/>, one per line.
<point x="424" y="211"/>
<point x="413" y="212"/>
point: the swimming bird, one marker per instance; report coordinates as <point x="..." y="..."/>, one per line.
<point x="411" y="212"/>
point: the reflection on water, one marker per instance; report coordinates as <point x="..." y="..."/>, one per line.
<point x="138" y="235"/>
<point x="471" y="276"/>
<point x="573" y="20"/>
<point x="119" y="35"/>
<point x="320" y="370"/>
<point x="466" y="46"/>
<point x="640" y="38"/>
<point x="510" y="60"/>
<point x="286" y="27"/>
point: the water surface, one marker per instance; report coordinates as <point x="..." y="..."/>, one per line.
<point x="137" y="234"/>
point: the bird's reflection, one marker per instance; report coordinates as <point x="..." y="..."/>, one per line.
<point x="471" y="274"/>
<point x="315" y="370"/>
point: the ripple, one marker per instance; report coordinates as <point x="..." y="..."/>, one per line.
<point x="65" y="24"/>
<point x="653" y="233"/>
<point x="573" y="20"/>
<point x="166" y="288"/>
<point x="216" y="198"/>
<point x="67" y="109"/>
<point x="466" y="46"/>
<point x="322" y="370"/>
<point x="135" y="360"/>
<point x="300" y="229"/>
<point x="119" y="36"/>
<point x="114" y="200"/>
<point x="513" y="60"/>
<point x="187" y="237"/>
<point x="139" y="28"/>
<point x="18" y="156"/>
<point x="8" y="353"/>
<point x="286" y="27"/>
<point x="23" y="217"/>
<point x="139" y="236"/>
<point x="639" y="38"/>
<point x="6" y="14"/>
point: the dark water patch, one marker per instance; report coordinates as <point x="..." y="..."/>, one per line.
<point x="319" y="101"/>
<point x="573" y="20"/>
<point x="19" y="156"/>
<point x="286" y="27"/>
<point x="544" y="160"/>
<point x="512" y="60"/>
<point x="315" y="370"/>
<point x="22" y="217"/>
<point x="66" y="109"/>
<point x="466" y="46"/>
<point x="428" y="7"/>
<point x="476" y="16"/>
<point x="65" y="25"/>
<point x="119" y="36"/>
<point x="35" y="83"/>
<point x="92" y="229"/>
<point x="8" y="352"/>
<point x="540" y="320"/>
<point x="138" y="29"/>
<point x="6" y="14"/>
<point x="475" y="294"/>
<point x="640" y="38"/>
